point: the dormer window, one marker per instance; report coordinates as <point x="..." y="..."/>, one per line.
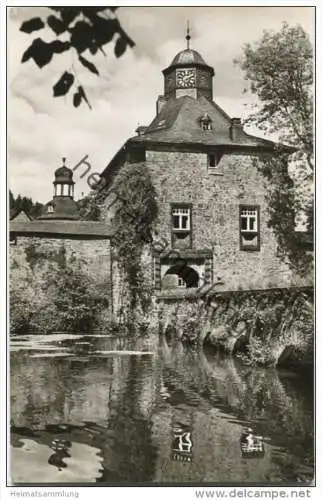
<point x="206" y="122"/>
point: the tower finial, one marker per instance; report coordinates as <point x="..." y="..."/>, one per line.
<point x="64" y="160"/>
<point x="188" y="37"/>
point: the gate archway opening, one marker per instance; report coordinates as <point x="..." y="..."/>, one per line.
<point x="183" y="277"/>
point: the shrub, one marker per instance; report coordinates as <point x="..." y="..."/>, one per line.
<point x="54" y="296"/>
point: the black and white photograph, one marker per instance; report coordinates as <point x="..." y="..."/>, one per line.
<point x="161" y="246"/>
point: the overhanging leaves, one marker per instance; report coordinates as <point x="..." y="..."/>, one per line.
<point x="81" y="35"/>
<point x="77" y="99"/>
<point x="57" y="46"/>
<point x="56" y="25"/>
<point x="32" y="25"/>
<point x="88" y="64"/>
<point x="64" y="84"/>
<point x="84" y="28"/>
<point x="40" y="51"/>
<point x="120" y="46"/>
<point x="79" y="96"/>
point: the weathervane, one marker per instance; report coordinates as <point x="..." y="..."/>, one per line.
<point x="188" y="37"/>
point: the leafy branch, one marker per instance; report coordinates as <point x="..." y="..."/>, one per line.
<point x="279" y="69"/>
<point x="85" y="28"/>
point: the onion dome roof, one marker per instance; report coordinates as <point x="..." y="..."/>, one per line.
<point x="188" y="56"/>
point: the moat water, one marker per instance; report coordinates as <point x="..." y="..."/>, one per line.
<point x="93" y="409"/>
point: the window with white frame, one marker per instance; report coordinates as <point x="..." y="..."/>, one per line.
<point x="248" y="220"/>
<point x="249" y="227"/>
<point x="181" y="218"/>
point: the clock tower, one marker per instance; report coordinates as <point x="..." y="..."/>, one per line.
<point x="188" y="74"/>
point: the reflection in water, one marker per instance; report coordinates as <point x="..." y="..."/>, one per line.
<point x="251" y="446"/>
<point x="182" y="443"/>
<point x="61" y="450"/>
<point x="177" y="415"/>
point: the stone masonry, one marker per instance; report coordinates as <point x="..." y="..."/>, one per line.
<point x="183" y="177"/>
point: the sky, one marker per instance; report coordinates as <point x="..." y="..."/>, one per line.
<point x="43" y="129"/>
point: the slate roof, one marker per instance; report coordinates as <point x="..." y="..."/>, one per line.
<point x="21" y="214"/>
<point x="188" y="56"/>
<point x="179" y="123"/>
<point x="61" y="227"/>
<point x="64" y="208"/>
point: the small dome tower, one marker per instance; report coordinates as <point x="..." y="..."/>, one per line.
<point x="63" y="183"/>
<point x="62" y="205"/>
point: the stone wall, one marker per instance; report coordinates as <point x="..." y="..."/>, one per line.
<point x="215" y="198"/>
<point x="274" y="327"/>
<point x="95" y="254"/>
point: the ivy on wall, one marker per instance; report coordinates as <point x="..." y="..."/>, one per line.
<point x="133" y="221"/>
<point x="34" y="255"/>
<point x="282" y="207"/>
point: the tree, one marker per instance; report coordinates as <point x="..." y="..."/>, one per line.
<point x="11" y="200"/>
<point x="33" y="209"/>
<point x="89" y="207"/>
<point x="279" y="70"/>
<point x="83" y="29"/>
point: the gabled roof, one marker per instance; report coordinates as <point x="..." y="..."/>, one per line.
<point x="179" y="122"/>
<point x="19" y="214"/>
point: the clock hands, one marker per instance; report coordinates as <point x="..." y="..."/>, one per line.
<point x="186" y="79"/>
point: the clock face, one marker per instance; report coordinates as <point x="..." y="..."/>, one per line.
<point x="186" y="78"/>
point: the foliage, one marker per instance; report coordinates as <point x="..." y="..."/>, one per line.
<point x="20" y="307"/>
<point x="134" y="221"/>
<point x="279" y="69"/>
<point x="31" y="208"/>
<point x="282" y="207"/>
<point x="89" y="207"/>
<point x="75" y="300"/>
<point x="54" y="295"/>
<point x="84" y="29"/>
<point x="35" y="255"/>
<point x="259" y="352"/>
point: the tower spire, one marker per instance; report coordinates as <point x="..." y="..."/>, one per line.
<point x="188" y="37"/>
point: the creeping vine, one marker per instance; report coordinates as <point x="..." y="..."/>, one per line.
<point x="134" y="220"/>
<point x="282" y="207"/>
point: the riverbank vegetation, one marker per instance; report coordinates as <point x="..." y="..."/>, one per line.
<point x="51" y="293"/>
